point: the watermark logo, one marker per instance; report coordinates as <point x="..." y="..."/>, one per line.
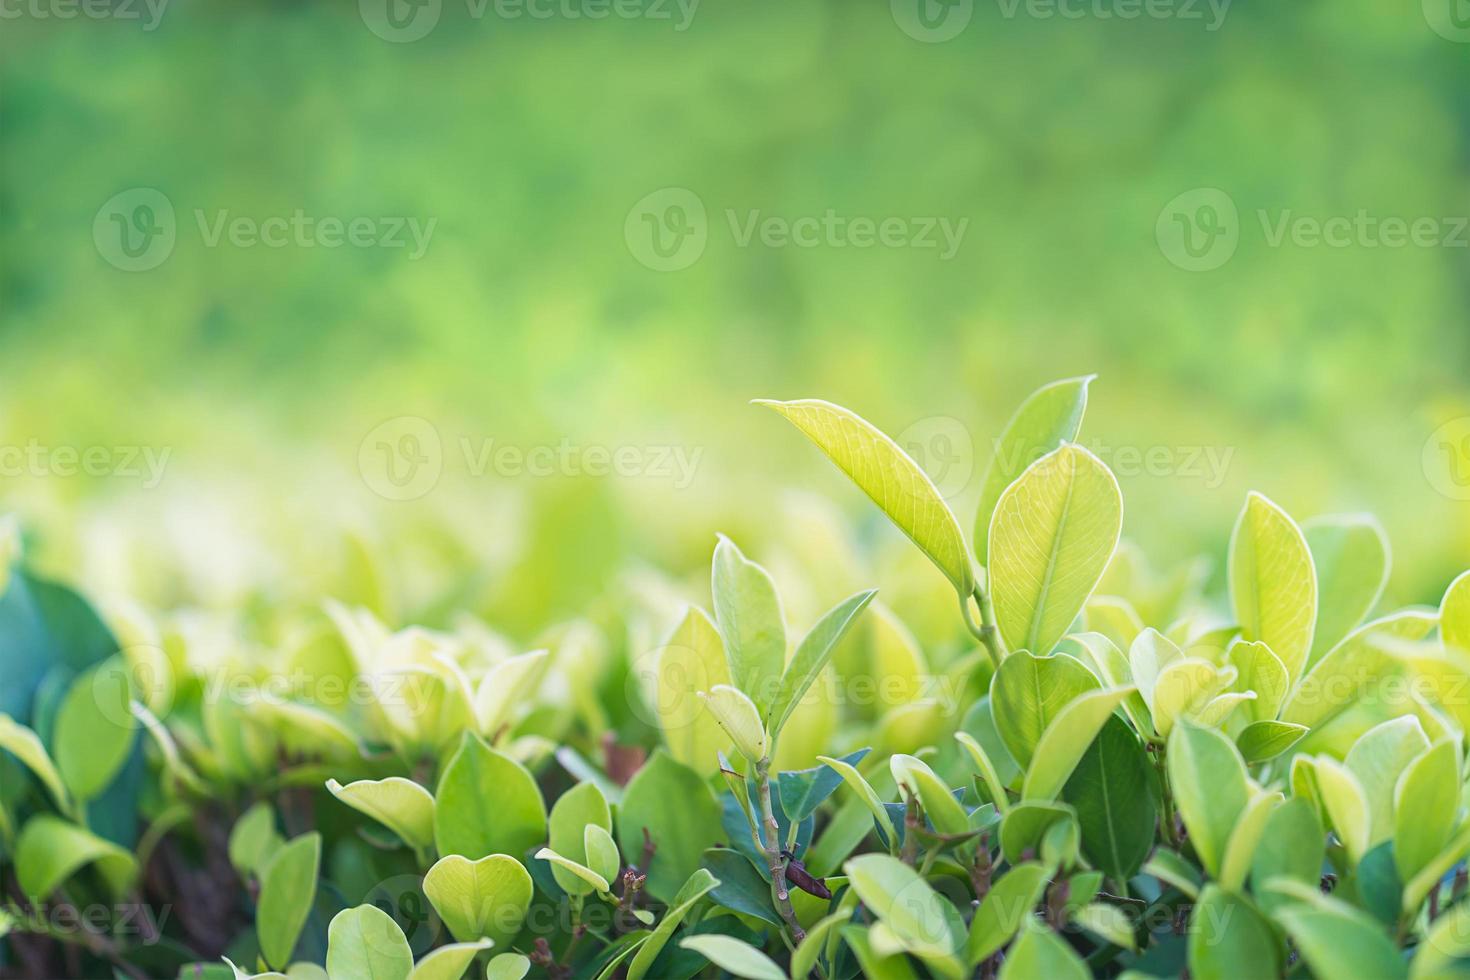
<point x="932" y="21"/>
<point x="1450" y="19"/>
<point x="1199" y="230"/>
<point x="944" y="449"/>
<point x="402" y="458"/>
<point x="150" y="12"/>
<point x="1446" y="458"/>
<point x="667" y="230"/>
<point x="135" y="230"/>
<point x="400" y="21"/>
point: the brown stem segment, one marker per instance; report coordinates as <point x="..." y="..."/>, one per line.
<point x="775" y="860"/>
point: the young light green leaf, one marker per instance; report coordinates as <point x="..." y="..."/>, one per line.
<point x="1378" y="758"/>
<point x="1025" y="827"/>
<point x="1066" y="739"/>
<point x="872" y="964"/>
<point x="1351" y="556"/>
<point x="1009" y="902"/>
<point x="986" y="768"/>
<point x="505" y="687"/>
<point x="50" y="850"/>
<point x="602" y="851"/>
<point x="1028" y="692"/>
<point x="804" y="959"/>
<point x="1425" y="802"/>
<point x="1245" y="839"/>
<point x="507" y="966"/>
<point x="926" y="924"/>
<point x="1115" y="794"/>
<point x="812" y="654"/>
<point x="1260" y="670"/>
<point x="1446" y="942"/>
<point x="892" y="480"/>
<point x="700" y="884"/>
<point x="1263" y="740"/>
<point x="1182" y="690"/>
<point x="1173" y="870"/>
<point x="1418" y="887"/>
<point x="918" y="780"/>
<point x="1359" y="662"/>
<point x="1210" y="788"/>
<point x="748" y="616"/>
<point x="1454" y="613"/>
<point x="740" y="719"/>
<point x="287" y="890"/>
<point x="486" y="803"/>
<point x="26" y="746"/>
<point x="1039" y="952"/>
<point x="94" y="731"/>
<point x="578" y="808"/>
<point x="401" y="805"/>
<point x="866" y="793"/>
<point x="1049" y="417"/>
<point x="574" y="868"/>
<point x="253" y="839"/>
<point x="484" y="899"/>
<point x="734" y="957"/>
<point x="1273" y="585"/>
<point x="1228" y="938"/>
<point x="1335" y="939"/>
<point x="1052" y="535"/>
<point x="450" y="962"/>
<point x="366" y="942"/>
<point x="1291" y="848"/>
<point x="692" y="661"/>
<point x="1346" y="804"/>
<point x="1107" y="922"/>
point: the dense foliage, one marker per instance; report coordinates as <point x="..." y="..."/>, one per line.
<point x="1107" y="771"/>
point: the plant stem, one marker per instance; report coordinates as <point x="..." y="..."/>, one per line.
<point x="780" y="894"/>
<point x="1160" y="763"/>
<point x="984" y="630"/>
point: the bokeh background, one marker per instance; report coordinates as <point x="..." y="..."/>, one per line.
<point x="541" y="146"/>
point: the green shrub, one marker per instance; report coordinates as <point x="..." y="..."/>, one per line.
<point x="1107" y="772"/>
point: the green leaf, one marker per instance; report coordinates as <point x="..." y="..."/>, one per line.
<point x="576" y="869"/>
<point x="1290" y="849"/>
<point x="865" y="792"/>
<point x="1051" y="538"/>
<point x="1351" y="556"/>
<point x="1346" y="804"/>
<point x="1417" y="888"/>
<point x="1107" y="922"/>
<point x="812" y="654"/>
<point x="1116" y="796"/>
<point x="1245" y="839"/>
<point x="1182" y="690"/>
<point x="94" y="731"/>
<point x="26" y="746"/>
<point x="1337" y="940"/>
<point x="700" y="883"/>
<point x="365" y="942"/>
<point x="740" y="719"/>
<point x="486" y="803"/>
<point x="1446" y="942"/>
<point x="692" y="661"/>
<point x="1263" y="740"/>
<point x="287" y="890"/>
<point x="1210" y="788"/>
<point x="681" y="816"/>
<point x="506" y="966"/>
<point x="1039" y="952"/>
<point x="986" y="768"/>
<point x="892" y="480"/>
<point x="1378" y="758"/>
<point x="484" y="899"/>
<point x="748" y="616"/>
<point x="1027" y="693"/>
<point x="872" y="964"/>
<point x="602" y="851"/>
<point x="1172" y="869"/>
<point x="1228" y="938"/>
<point x="507" y="686"/>
<point x="450" y="962"/>
<point x="1009" y="902"/>
<point x="734" y="957"/>
<point x="1051" y="416"/>
<point x="804" y="960"/>
<point x="401" y="805"/>
<point x="1454" y="613"/>
<point x="926" y="924"/>
<point x="1355" y="665"/>
<point x="1067" y="738"/>
<point x="253" y="839"/>
<point x="942" y="809"/>
<point x="50" y="850"/>
<point x="1425" y="802"/>
<point x="1260" y="670"/>
<point x="803" y="790"/>
<point x="1273" y="585"/>
<point x="580" y="807"/>
<point x="1026" y="825"/>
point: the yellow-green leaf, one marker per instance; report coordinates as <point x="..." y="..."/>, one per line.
<point x="1425" y="803"/>
<point x="692" y="661"/>
<point x="26" y="746"/>
<point x="739" y="717"/>
<point x="1273" y="584"/>
<point x="1346" y="805"/>
<point x="287" y="890"/>
<point x="484" y="899"/>
<point x="749" y="618"/>
<point x="366" y="942"/>
<point x="1351" y="556"/>
<point x="1208" y="778"/>
<point x="401" y="805"/>
<point x="1066" y="739"/>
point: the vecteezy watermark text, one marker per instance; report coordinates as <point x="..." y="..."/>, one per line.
<point x="150" y="12"/>
<point x="668" y="230"/>
<point x="402" y="21"/>
<point x="136" y="230"/>
<point x="37" y="459"/>
<point x="934" y="21"/>
<point x="404" y="457"/>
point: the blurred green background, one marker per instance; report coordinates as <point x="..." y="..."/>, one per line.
<point x="1318" y="373"/>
